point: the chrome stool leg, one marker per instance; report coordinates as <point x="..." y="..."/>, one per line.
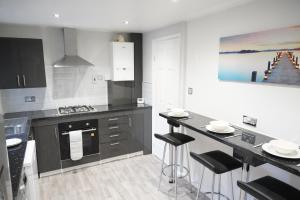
<point x="219" y="188"/>
<point x="162" y="165"/>
<point x="188" y="165"/>
<point x="213" y="186"/>
<point x="232" y="191"/>
<point x="175" y="165"/>
<point x="198" y="192"/>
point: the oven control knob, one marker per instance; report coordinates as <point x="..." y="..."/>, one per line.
<point x="87" y="124"/>
<point x="70" y="126"/>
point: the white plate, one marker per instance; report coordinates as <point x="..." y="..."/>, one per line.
<point x="267" y="147"/>
<point x="13" y="142"/>
<point x="226" y="131"/>
<point x="183" y="114"/>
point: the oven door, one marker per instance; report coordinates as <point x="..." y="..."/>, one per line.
<point x="90" y="141"/>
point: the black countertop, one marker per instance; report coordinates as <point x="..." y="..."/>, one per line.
<point x="197" y="123"/>
<point x="16" y="155"/>
<point x="53" y="113"/>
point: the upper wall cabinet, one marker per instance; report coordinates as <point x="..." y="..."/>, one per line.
<point x="122" y="61"/>
<point x="21" y="63"/>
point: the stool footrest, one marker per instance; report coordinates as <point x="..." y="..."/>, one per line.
<point x="217" y="193"/>
<point x="187" y="171"/>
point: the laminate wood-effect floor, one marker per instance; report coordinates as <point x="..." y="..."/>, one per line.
<point x="129" y="179"/>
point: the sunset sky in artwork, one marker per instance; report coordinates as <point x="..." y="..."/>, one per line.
<point x="272" y="39"/>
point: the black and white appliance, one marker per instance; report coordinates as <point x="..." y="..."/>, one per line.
<point x="67" y="110"/>
<point x="29" y="185"/>
<point x="5" y="182"/>
<point x="90" y="138"/>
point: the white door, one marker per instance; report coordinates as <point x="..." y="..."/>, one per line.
<point x="166" y="83"/>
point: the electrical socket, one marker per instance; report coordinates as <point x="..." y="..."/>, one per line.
<point x="29" y="98"/>
<point x="249" y="120"/>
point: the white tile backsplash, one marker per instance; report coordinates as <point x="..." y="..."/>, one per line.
<point x="147" y="92"/>
<point x="65" y="86"/>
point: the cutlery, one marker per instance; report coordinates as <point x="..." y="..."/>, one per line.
<point x="258" y="145"/>
<point x="233" y="136"/>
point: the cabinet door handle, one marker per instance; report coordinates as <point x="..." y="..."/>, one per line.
<point x="24" y="80"/>
<point x="113" y="144"/>
<point x="116" y="135"/>
<point x="18" y="80"/>
<point x="130" y="122"/>
<point x="113" y="127"/>
<point x="113" y="119"/>
<point x="55" y="132"/>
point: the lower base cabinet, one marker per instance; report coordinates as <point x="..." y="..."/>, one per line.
<point x="47" y="147"/>
<point x="120" y="133"/>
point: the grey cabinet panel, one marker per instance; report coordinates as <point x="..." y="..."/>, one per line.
<point x="136" y="141"/>
<point x="148" y="131"/>
<point x="21" y="63"/>
<point x="48" y="153"/>
<point x="113" y="149"/>
<point x="31" y="59"/>
<point x="114" y="136"/>
<point x="137" y="39"/>
<point x="9" y="67"/>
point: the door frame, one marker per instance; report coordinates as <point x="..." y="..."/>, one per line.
<point x="181" y="88"/>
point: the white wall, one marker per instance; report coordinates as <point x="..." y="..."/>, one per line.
<point x="65" y="86"/>
<point x="276" y="106"/>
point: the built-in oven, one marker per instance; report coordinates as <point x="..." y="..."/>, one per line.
<point x="90" y="137"/>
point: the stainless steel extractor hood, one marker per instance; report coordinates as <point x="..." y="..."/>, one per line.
<point x="71" y="58"/>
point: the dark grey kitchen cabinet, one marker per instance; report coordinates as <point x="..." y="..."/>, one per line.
<point x="21" y="63"/>
<point x="9" y="67"/>
<point x="136" y="137"/>
<point x="148" y="131"/>
<point x="48" y="149"/>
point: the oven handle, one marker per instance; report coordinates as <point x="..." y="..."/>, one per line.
<point x="87" y="130"/>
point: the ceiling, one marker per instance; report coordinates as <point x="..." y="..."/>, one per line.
<point x="109" y="15"/>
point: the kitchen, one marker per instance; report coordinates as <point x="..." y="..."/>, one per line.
<point x="108" y="103"/>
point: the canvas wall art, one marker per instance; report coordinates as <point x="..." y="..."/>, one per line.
<point x="268" y="57"/>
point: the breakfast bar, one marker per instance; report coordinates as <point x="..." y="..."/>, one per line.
<point x="246" y="144"/>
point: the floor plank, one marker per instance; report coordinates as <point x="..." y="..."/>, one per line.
<point x="129" y="179"/>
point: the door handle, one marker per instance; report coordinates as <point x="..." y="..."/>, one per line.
<point x="113" y="127"/>
<point x="55" y="132"/>
<point x="18" y="80"/>
<point x="113" y="119"/>
<point x="116" y="135"/>
<point x="113" y="144"/>
<point x="24" y="80"/>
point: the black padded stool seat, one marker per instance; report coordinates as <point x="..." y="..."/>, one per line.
<point x="269" y="188"/>
<point x="175" y="139"/>
<point x="217" y="161"/>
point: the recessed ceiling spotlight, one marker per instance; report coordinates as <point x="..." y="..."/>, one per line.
<point x="56" y="15"/>
<point x="126" y="22"/>
<point x="175" y="1"/>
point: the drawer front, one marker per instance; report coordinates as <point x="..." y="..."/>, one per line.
<point x="115" y="136"/>
<point x="113" y="149"/>
<point x="114" y="129"/>
<point x="114" y="121"/>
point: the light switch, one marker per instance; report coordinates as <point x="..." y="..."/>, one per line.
<point x="249" y="120"/>
<point x="190" y="91"/>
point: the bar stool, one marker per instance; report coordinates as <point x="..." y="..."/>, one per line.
<point x="175" y="140"/>
<point x="219" y="163"/>
<point x="269" y="188"/>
